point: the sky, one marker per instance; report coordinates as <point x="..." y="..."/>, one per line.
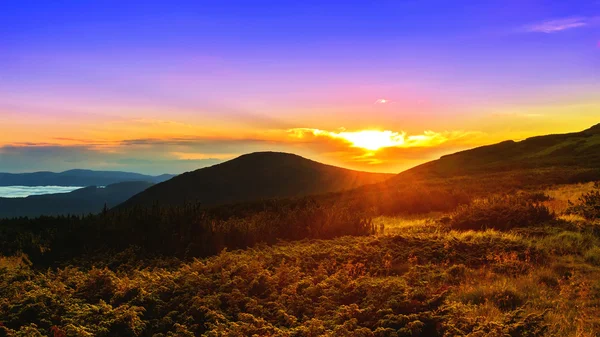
<point x="376" y="85"/>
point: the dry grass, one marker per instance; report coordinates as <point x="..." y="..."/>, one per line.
<point x="388" y="225"/>
<point x="562" y="194"/>
<point x="475" y="282"/>
<point x="11" y="262"/>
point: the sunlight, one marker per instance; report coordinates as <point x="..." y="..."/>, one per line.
<point x="373" y="139"/>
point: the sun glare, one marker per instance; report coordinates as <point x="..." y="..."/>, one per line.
<point x="372" y="139"/>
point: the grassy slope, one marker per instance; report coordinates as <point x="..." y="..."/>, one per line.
<point x="572" y="151"/>
<point x="255" y="176"/>
<point x="424" y="280"/>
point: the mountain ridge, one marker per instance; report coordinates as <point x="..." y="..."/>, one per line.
<point x="254" y="176"/>
<point x="76" y="177"/>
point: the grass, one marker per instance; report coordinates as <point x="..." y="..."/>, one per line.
<point x="561" y="195"/>
<point x="417" y="277"/>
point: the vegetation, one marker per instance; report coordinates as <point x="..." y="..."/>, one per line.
<point x="589" y="204"/>
<point x="537" y="276"/>
<point x="426" y="279"/>
<point x="501" y="213"/>
<point x="185" y="231"/>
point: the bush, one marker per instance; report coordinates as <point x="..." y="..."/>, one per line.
<point x="592" y="256"/>
<point x="501" y="213"/>
<point x="589" y="204"/>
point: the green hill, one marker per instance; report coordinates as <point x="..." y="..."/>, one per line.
<point x="542" y="160"/>
<point x="255" y="176"/>
<point x="573" y="150"/>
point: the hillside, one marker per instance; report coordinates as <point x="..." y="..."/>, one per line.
<point x="579" y="150"/>
<point x="255" y="176"/>
<point x="76" y="178"/>
<point x="82" y="201"/>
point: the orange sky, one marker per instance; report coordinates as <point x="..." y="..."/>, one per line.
<point x="100" y="141"/>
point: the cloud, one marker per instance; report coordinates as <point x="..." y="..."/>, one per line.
<point x="203" y="156"/>
<point x="372" y="140"/>
<point x="558" y="25"/>
<point x="403" y="150"/>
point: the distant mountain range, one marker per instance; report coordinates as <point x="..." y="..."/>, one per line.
<point x="82" y="201"/>
<point x="76" y="178"/>
<point x="254" y="176"/>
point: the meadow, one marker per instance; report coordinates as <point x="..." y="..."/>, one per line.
<point x="523" y="264"/>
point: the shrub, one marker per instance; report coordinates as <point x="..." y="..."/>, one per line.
<point x="592" y="256"/>
<point x="548" y="278"/>
<point x="501" y="213"/>
<point x="589" y="204"/>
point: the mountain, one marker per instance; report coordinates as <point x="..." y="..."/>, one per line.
<point x="76" y="178"/>
<point x="255" y="176"/>
<point x="572" y="150"/>
<point x="82" y="201"/>
<point x="510" y="165"/>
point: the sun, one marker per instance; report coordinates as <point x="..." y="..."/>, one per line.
<point x="373" y="140"/>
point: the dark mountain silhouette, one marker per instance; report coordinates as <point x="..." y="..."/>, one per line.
<point x="82" y="201"/>
<point x="255" y="176"/>
<point x="76" y="178"/>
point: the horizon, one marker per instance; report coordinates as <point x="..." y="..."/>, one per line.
<point x="162" y="88"/>
<point x="268" y="151"/>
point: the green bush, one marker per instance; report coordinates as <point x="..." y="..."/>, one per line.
<point x="501" y="213"/>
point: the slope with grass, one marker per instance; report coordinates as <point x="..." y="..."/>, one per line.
<point x="577" y="152"/>
<point x="431" y="279"/>
<point x="255" y="176"/>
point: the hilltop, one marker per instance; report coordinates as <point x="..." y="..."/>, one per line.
<point x="255" y="176"/>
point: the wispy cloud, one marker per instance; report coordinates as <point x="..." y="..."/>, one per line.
<point x="558" y="25"/>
